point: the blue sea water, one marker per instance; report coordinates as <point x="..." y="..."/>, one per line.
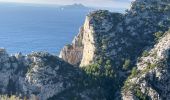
<point x="28" y="28"/>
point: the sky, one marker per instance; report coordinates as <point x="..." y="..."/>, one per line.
<point x="91" y="3"/>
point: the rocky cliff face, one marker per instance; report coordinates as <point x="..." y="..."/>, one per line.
<point x="73" y="53"/>
<point x="96" y="29"/>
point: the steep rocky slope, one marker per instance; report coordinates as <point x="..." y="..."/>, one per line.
<point x="150" y="80"/>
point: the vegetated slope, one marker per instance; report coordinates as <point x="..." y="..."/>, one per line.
<point x="150" y="79"/>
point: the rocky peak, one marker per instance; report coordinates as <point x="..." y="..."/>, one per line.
<point x="99" y="21"/>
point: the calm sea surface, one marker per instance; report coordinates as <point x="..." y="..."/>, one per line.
<point x="27" y="28"/>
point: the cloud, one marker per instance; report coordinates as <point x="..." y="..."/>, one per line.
<point x="96" y="3"/>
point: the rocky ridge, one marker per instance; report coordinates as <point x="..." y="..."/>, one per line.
<point x="35" y="74"/>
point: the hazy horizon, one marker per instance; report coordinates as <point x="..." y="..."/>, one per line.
<point x="117" y="4"/>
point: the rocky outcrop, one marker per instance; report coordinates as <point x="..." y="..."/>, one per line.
<point x="89" y="44"/>
<point x="73" y="53"/>
<point x="49" y="73"/>
<point x="35" y="74"/>
<point x="97" y="25"/>
<point x="152" y="77"/>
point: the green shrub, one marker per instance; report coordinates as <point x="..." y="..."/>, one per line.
<point x="103" y="68"/>
<point x="145" y="53"/>
<point x="69" y="46"/>
<point x="167" y="8"/>
<point x="108" y="69"/>
<point x="134" y="72"/>
<point x="92" y="69"/>
<point x="126" y="64"/>
<point x="100" y="61"/>
<point x="158" y="35"/>
<point x="149" y="67"/>
<point x="139" y="94"/>
<point x="108" y="62"/>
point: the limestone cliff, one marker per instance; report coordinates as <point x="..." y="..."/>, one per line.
<point x="73" y="53"/>
<point x="97" y="26"/>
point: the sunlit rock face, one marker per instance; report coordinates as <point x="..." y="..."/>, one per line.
<point x="73" y="53"/>
<point x="97" y="26"/>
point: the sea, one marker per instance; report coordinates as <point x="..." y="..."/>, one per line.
<point x="32" y="28"/>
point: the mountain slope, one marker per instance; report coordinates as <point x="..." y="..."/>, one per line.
<point x="151" y="78"/>
<point x="111" y="43"/>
